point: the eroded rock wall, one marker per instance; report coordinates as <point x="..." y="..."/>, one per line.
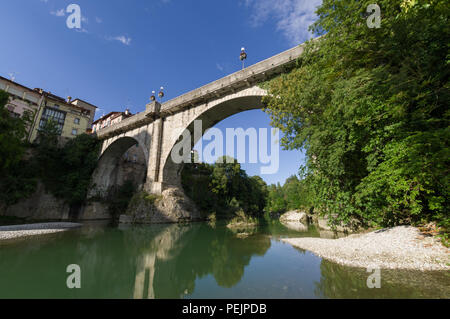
<point x="172" y="206"/>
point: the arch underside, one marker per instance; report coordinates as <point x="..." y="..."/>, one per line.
<point x="171" y="172"/>
<point x="105" y="175"/>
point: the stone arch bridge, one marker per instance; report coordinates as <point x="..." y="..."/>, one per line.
<point x="157" y="129"/>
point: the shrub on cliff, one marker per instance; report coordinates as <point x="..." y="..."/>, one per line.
<point x="17" y="176"/>
<point x="66" y="171"/>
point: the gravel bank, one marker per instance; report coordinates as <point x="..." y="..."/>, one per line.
<point x="402" y="247"/>
<point x="17" y="231"/>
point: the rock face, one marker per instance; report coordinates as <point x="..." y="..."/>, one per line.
<point x="40" y="205"/>
<point x="295" y="220"/>
<point x="44" y="206"/>
<point x="95" y="211"/>
<point x="172" y="206"/>
<point x="294" y="216"/>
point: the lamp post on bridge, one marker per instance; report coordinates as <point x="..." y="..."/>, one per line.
<point x="161" y="93"/>
<point x="243" y="57"/>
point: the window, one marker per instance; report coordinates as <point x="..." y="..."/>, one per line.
<point x="76" y="121"/>
<point x="74" y="131"/>
<point x="51" y="114"/>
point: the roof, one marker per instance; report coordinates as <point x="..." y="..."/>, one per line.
<point x="85" y="102"/>
<point x="104" y="117"/>
<point x="18" y="84"/>
<point x="48" y="94"/>
<point x="111" y="115"/>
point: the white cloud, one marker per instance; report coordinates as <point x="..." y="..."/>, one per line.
<point x="98" y="20"/>
<point x="121" y="38"/>
<point x="58" y="13"/>
<point x="82" y="30"/>
<point x="219" y="67"/>
<point x="293" y="17"/>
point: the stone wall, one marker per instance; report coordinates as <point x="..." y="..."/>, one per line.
<point x="41" y="205"/>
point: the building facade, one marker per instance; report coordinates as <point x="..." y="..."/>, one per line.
<point x="110" y="119"/>
<point x="21" y="98"/>
<point x="72" y="117"/>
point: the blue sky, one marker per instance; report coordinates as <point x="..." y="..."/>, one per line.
<point x="126" y="49"/>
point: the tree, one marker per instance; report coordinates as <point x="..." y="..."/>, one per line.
<point x="224" y="188"/>
<point x="370" y="106"/>
<point x="66" y="171"/>
<point x="13" y="132"/>
<point x="17" y="177"/>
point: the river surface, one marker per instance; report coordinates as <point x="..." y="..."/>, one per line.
<point x="193" y="261"/>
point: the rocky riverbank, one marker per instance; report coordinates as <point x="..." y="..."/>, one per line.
<point x="403" y="247"/>
<point x="18" y="231"/>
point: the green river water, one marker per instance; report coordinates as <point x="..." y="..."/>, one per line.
<point x="193" y="261"/>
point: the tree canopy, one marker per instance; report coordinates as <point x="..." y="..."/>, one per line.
<point x="370" y="106"/>
<point x="65" y="170"/>
<point x="224" y="188"/>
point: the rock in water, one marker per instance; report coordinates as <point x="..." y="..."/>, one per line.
<point x="298" y="226"/>
<point x="294" y="216"/>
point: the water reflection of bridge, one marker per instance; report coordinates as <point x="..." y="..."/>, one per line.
<point x="162" y="247"/>
<point x="171" y="257"/>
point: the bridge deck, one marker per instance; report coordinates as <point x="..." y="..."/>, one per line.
<point x="255" y="73"/>
<point x="229" y="84"/>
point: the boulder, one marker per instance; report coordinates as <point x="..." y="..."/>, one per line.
<point x="294" y="216"/>
<point x="297" y="226"/>
<point x="171" y="206"/>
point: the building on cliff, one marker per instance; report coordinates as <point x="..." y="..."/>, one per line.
<point x="110" y="119"/>
<point x="73" y="117"/>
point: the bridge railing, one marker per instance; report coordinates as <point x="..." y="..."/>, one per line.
<point x="255" y="73"/>
<point x="230" y="83"/>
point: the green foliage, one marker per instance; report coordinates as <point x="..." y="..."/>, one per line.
<point x="66" y="171"/>
<point x="294" y="194"/>
<point x="224" y="188"/>
<point x="119" y="196"/>
<point x="17" y="179"/>
<point x="12" y="135"/>
<point x="370" y="106"/>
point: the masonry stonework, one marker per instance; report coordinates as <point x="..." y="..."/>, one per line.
<point x="157" y="129"/>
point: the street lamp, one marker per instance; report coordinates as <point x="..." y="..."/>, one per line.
<point x="161" y="93"/>
<point x="243" y="57"/>
<point x="153" y="98"/>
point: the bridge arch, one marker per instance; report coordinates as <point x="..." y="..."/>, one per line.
<point x="210" y="114"/>
<point x="105" y="175"/>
